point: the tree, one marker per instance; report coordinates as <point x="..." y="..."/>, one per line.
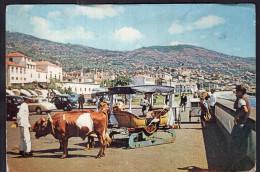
<point x="122" y="81"/>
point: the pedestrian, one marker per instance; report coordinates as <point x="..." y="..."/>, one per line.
<point x="204" y="111"/>
<point x="183" y="101"/>
<point x="239" y="136"/>
<point x="102" y="104"/>
<point x="212" y="102"/>
<point x="81" y="101"/>
<point x="145" y="105"/>
<point x="195" y="95"/>
<point x="242" y="106"/>
<point x="23" y="123"/>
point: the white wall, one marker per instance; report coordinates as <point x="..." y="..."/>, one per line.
<point x="85" y="88"/>
<point x="16" y="75"/>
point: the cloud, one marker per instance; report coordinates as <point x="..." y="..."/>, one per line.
<point x="95" y="12"/>
<point x="219" y="35"/>
<point x="24" y="9"/>
<point x="177" y="28"/>
<point x="208" y="22"/>
<point x="203" y="36"/>
<point x="42" y="29"/>
<point x="173" y="43"/>
<point x="202" y="23"/>
<point x="54" y="14"/>
<point x="127" y="34"/>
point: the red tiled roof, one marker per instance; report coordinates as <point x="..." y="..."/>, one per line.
<point x="45" y="63"/>
<point x="11" y="55"/>
<point x="40" y="70"/>
<point x="142" y="76"/>
<point x="9" y="63"/>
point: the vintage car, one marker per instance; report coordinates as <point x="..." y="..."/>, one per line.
<point x="64" y="102"/>
<point x="75" y="97"/>
<point x="13" y="103"/>
<point x="40" y="105"/>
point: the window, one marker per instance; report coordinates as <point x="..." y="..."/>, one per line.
<point x="85" y="89"/>
<point x="55" y="76"/>
<point x="39" y="75"/>
<point x="12" y="78"/>
<point x="46" y="76"/>
<point x="16" y="69"/>
<point x="25" y="79"/>
<point x="12" y="69"/>
<point x="24" y="70"/>
<point x="80" y="89"/>
<point x="21" y="70"/>
<point x="28" y="66"/>
<point x="21" y="78"/>
<point x="75" y="89"/>
<point x="31" y="75"/>
<point x="16" y="78"/>
<point x="89" y="89"/>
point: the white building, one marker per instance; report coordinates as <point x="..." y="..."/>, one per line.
<point x="42" y="75"/>
<point x="186" y="87"/>
<point x="53" y="71"/>
<point x="143" y="80"/>
<point x="15" y="73"/>
<point x="79" y="88"/>
<point x="20" y="69"/>
<point x="27" y="62"/>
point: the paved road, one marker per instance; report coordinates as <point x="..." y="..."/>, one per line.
<point x="193" y="147"/>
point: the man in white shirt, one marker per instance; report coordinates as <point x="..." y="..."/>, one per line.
<point x="24" y="125"/>
<point x="145" y="104"/>
<point x="212" y="102"/>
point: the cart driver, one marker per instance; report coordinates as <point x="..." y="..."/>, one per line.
<point x="145" y="104"/>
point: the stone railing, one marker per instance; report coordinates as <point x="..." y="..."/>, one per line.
<point x="240" y="142"/>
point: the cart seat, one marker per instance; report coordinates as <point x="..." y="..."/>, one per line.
<point x="129" y="120"/>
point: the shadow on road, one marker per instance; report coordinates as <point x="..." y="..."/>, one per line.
<point x="196" y="169"/>
<point x="116" y="143"/>
<point x="216" y="151"/>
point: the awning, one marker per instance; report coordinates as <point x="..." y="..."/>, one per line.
<point x="153" y="89"/>
<point x="141" y="89"/>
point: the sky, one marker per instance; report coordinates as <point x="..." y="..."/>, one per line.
<point x="228" y="29"/>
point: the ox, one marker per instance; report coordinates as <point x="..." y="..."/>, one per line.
<point x="76" y="124"/>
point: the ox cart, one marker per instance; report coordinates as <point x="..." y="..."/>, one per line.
<point x="143" y="131"/>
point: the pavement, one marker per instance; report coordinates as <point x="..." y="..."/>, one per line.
<point x="194" y="148"/>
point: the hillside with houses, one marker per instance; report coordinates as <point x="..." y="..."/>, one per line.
<point x="160" y="65"/>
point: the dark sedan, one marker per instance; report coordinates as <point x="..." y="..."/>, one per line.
<point x="12" y="106"/>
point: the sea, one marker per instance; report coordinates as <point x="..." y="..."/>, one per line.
<point x="229" y="95"/>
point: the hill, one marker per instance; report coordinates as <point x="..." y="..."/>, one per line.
<point x="74" y="57"/>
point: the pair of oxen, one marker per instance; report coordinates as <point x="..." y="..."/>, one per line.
<point x="65" y="125"/>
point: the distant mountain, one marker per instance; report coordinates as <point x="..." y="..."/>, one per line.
<point x="73" y="57"/>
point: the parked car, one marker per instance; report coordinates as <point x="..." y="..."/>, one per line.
<point x="75" y="97"/>
<point x="40" y="105"/>
<point x="13" y="103"/>
<point x="63" y="102"/>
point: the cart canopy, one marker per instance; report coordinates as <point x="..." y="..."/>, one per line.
<point x="141" y="89"/>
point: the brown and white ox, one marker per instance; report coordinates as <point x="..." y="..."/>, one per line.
<point x="75" y="124"/>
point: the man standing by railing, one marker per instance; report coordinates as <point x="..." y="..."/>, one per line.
<point x="212" y="102"/>
<point x="242" y="106"/>
<point x="239" y="136"/>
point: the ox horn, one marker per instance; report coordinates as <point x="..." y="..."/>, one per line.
<point x="49" y="117"/>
